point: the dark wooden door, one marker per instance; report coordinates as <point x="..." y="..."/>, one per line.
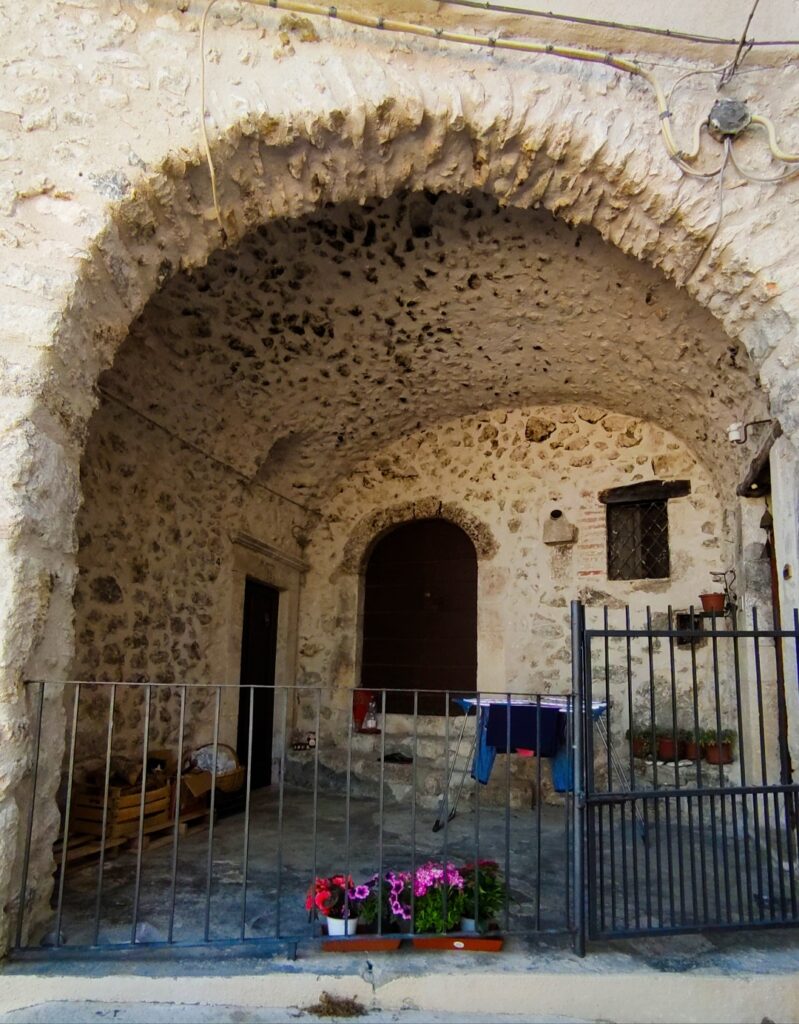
<point x="258" y="651"/>
<point x="420" y="614"/>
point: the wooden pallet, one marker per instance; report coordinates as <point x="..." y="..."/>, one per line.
<point x="156" y="835"/>
<point x="122" y="810"/>
<point x="85" y="850"/>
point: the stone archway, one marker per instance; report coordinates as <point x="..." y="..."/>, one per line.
<point x="487" y="132"/>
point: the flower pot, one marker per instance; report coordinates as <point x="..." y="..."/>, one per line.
<point x="640" y="746"/>
<point x="362" y="944"/>
<point x="468" y="924"/>
<point x="712" y="602"/>
<point x="718" y="753"/>
<point x="692" y="751"/>
<point x="668" y="750"/>
<point x="341" y="926"/>
<point x="466" y="943"/>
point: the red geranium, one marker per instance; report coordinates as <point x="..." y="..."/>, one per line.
<point x="335" y="896"/>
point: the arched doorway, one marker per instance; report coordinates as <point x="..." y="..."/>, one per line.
<point x="420" y="615"/>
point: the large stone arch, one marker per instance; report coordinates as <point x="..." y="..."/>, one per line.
<point x="540" y="138"/>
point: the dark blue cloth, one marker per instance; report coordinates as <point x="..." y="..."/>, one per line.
<point x="531" y="728"/>
<point x="492" y="734"/>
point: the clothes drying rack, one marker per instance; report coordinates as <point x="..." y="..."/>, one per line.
<point x="562" y="704"/>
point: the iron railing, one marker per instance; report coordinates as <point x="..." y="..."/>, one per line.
<point x="677" y="839"/>
<point x="236" y="872"/>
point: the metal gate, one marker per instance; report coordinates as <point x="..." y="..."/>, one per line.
<point x="689" y="806"/>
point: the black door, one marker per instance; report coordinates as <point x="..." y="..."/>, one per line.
<point x="420" y="615"/>
<point x="258" y="650"/>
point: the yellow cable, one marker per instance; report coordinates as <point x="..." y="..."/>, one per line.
<point x="777" y="153"/>
<point x="681" y="157"/>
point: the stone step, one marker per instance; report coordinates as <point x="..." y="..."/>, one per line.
<point x="398" y="779"/>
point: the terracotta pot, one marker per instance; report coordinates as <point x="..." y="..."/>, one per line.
<point x="362" y="944"/>
<point x="718" y="753"/>
<point x="461" y="942"/>
<point x="668" y="750"/>
<point x="712" y="602"/>
<point x="692" y="751"/>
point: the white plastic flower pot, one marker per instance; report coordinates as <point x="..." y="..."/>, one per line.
<point x="341" y="926"/>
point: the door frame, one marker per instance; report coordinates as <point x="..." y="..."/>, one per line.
<point x="259" y="561"/>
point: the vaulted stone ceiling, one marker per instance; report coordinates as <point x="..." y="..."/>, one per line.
<point x="318" y="340"/>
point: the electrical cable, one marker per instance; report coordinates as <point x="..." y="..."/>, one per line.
<point x="760" y="179"/>
<point x="683" y="158"/>
<point x="246" y="480"/>
<point x="728" y="74"/>
<point x="668" y="33"/>
<point x="441" y="35"/>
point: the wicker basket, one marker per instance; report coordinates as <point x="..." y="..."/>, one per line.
<point x="230" y="782"/>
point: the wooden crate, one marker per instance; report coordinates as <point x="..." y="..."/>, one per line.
<point x="124" y="805"/>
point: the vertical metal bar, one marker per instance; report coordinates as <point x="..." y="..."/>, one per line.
<point x="586" y="727"/>
<point x="67" y="816"/>
<point x="26" y="856"/>
<point x="280" y="806"/>
<point x="315" y="827"/>
<point x="104" y="826"/>
<point x="578" y="699"/>
<point x="634" y="803"/>
<point x="176" y="833"/>
<point x="142" y="798"/>
<point x="656" y="808"/>
<point x="763" y="765"/>
<point x="568" y="813"/>
<point x="381" y="813"/>
<point x="210" y="858"/>
<point x="742" y="763"/>
<point x="445" y="858"/>
<point x="699" y="803"/>
<point x="537" y="809"/>
<point x="609" y="745"/>
<point x="598" y="811"/>
<point x="413" y="805"/>
<point x="245" y="865"/>
<point x="677" y="803"/>
<point x="347" y="801"/>
<point x="506" y="898"/>
<point x="721" y="781"/>
<point x="477" y="843"/>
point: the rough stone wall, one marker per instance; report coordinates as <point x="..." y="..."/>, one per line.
<point x="153" y="601"/>
<point x="104" y="196"/>
<point x="507" y="470"/>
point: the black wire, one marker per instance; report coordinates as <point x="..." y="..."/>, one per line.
<point x="480" y="5"/>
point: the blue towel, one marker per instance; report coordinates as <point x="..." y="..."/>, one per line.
<point x="562" y="764"/>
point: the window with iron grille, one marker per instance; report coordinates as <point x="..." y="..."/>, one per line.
<point x="638" y="540"/>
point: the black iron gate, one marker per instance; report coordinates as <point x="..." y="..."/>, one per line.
<point x="689" y="806"/>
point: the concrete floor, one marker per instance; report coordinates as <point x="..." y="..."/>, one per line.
<point x="281" y="868"/>
<point x="729" y="977"/>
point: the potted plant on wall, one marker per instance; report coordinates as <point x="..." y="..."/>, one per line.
<point x="640" y="737"/>
<point x="669" y="746"/>
<point x="718" y="745"/>
<point x="691" y="744"/>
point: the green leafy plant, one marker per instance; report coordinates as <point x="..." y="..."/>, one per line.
<point x="712" y="737"/>
<point x="483" y="891"/>
<point x="434" y="885"/>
